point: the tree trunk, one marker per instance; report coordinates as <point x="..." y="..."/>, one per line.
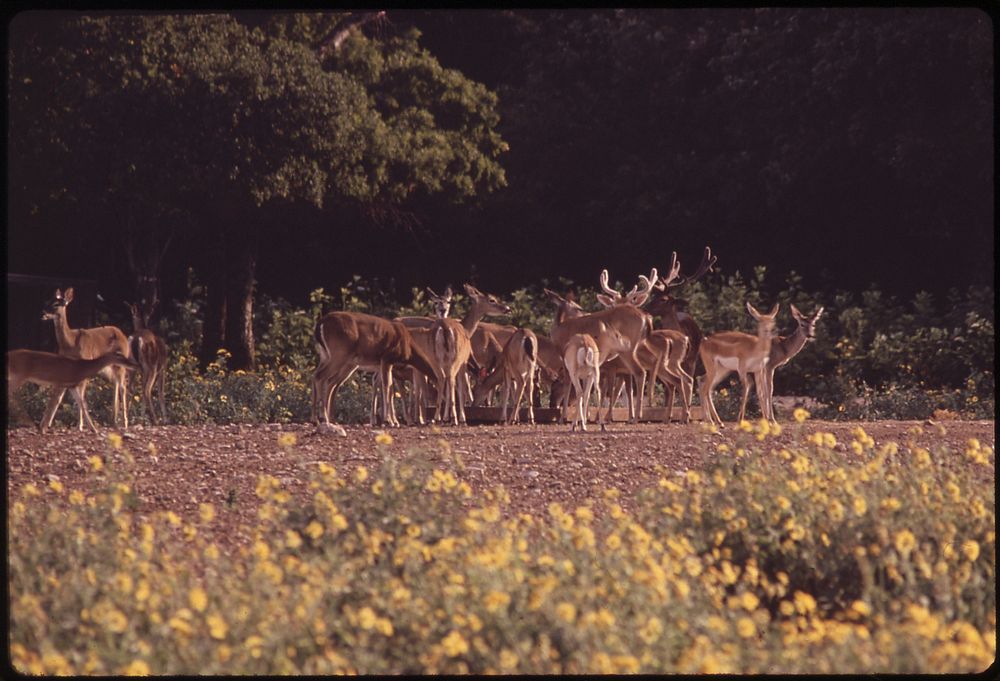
<point x="214" y="327"/>
<point x="241" y="267"/>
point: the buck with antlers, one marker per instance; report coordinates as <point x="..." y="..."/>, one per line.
<point x="347" y="341"/>
<point x="728" y="351"/>
<point x="618" y="331"/>
<point x="783" y="349"/>
<point x="61" y="373"/>
<point x="672" y="311"/>
<point x="91" y="344"/>
<point x="151" y="353"/>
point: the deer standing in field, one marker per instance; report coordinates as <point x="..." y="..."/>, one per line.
<point x="62" y="373"/>
<point x="348" y="341"/>
<point x="672" y="311"/>
<point x="728" y="351"/>
<point x="660" y="356"/>
<point x="783" y="349"/>
<point x="518" y="363"/>
<point x="91" y="344"/>
<point x="151" y="352"/>
<point x="583" y="363"/>
<point x="455" y="356"/>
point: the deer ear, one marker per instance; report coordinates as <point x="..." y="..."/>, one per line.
<point x="604" y="300"/>
<point x="448" y="293"/>
<point x="795" y="312"/>
<point x="818" y="313"/>
<point x="472" y="290"/>
<point x="774" y="310"/>
<point x="68" y="294"/>
<point x="639" y="299"/>
<point x="753" y="311"/>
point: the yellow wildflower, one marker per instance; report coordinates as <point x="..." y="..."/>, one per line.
<point x="314" y="530"/>
<point x="286" y="439"/>
<point x="217" y="626"/>
<point x="800" y="414"/>
<point x="746" y="628"/>
<point x="367" y="618"/>
<point x="96" y="462"/>
<point x="56" y="485"/>
<point x="198" y="599"/>
<point x="115" y="440"/>
<point x="651" y="630"/>
<point x="566" y="611"/>
<point x="495" y="600"/>
<point x="454" y="644"/>
<point x="361" y="474"/>
<point x="206" y="512"/>
<point x="383" y="438"/>
<point x="970" y="549"/>
<point x="136" y="668"/>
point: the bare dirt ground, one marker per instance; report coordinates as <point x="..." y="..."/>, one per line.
<point x="536" y="464"/>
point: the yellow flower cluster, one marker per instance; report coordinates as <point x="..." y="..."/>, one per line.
<point x="739" y="568"/>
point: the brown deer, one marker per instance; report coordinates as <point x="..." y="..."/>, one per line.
<point x="582" y="359"/>
<point x="728" y="351"/>
<point x="91" y="344"/>
<point x="62" y="373"/>
<point x="347" y="341"/>
<point x="783" y="349"/>
<point x="151" y="352"/>
<point x="518" y="363"/>
<point x="672" y="311"/>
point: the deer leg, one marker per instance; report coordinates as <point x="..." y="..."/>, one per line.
<point x="123" y="377"/>
<point x="668" y="395"/>
<point x="78" y="398"/>
<point x="745" y="382"/>
<point x="50" y="410"/>
<point x="520" y="384"/>
<point x="531" y="394"/>
<point x="161" y="377"/>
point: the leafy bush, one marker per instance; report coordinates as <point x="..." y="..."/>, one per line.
<point x="773" y="559"/>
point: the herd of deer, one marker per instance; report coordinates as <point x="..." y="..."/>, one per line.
<point x="601" y="352"/>
<point x="604" y="352"/>
<point x="85" y="353"/>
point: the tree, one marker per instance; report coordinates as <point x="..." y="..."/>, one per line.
<point x="202" y="120"/>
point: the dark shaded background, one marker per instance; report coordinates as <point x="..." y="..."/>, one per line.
<point x="853" y="146"/>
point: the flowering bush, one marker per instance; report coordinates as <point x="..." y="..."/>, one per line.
<point x="772" y="559"/>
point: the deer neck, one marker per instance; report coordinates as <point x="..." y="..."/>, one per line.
<point x="472" y="318"/>
<point x="763" y="345"/>
<point x="66" y="338"/>
<point x="783" y="349"/>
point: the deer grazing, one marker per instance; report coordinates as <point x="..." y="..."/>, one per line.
<point x="347" y="341"/>
<point x="518" y="363"/>
<point x="783" y="349"/>
<point x="91" y="344"/>
<point x="61" y="373"/>
<point x="151" y="353"/>
<point x="728" y="351"/>
<point x="583" y="363"/>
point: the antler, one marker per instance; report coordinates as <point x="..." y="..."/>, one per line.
<point x="675" y="278"/>
<point x="607" y="289"/>
<point x="673" y="273"/>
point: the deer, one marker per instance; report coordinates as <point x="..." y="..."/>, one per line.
<point x="90" y="344"/>
<point x="783" y="349"/>
<point x="347" y="341"/>
<point x="550" y="372"/>
<point x="636" y="298"/>
<point x="632" y="324"/>
<point x="672" y="311"/>
<point x="518" y="364"/>
<point x="728" y="351"/>
<point x="660" y="356"/>
<point x="482" y="305"/>
<point x="658" y="352"/>
<point x="582" y="359"/>
<point x="151" y="352"/>
<point x="452" y="351"/>
<point x="62" y="373"/>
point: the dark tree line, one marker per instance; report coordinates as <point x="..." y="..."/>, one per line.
<point x="279" y="152"/>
